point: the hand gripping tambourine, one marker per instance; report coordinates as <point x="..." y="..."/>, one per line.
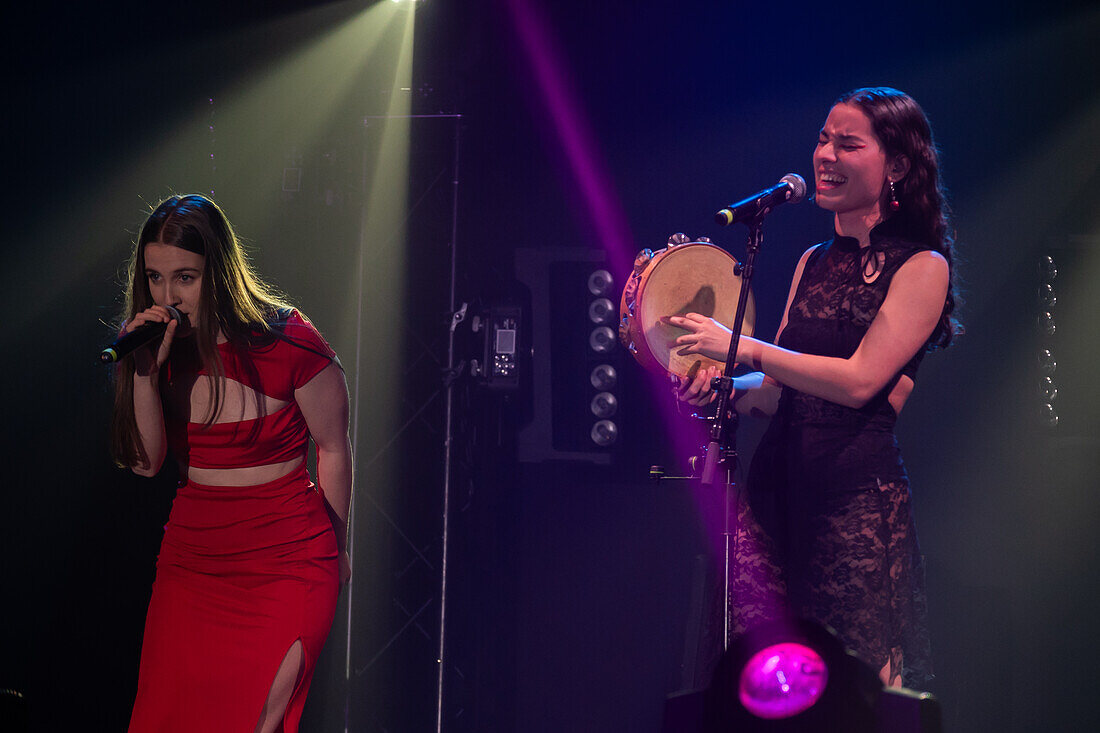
<point x="685" y="277"/>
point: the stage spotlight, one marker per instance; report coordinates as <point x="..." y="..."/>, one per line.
<point x="1047" y="364"/>
<point x="604" y="377"/>
<point x="1048" y="415"/>
<point x="1046" y="324"/>
<point x="604" y="404"/>
<point x="782" y="680"/>
<point x="602" y="310"/>
<point x="600" y="282"/>
<point x="1047" y="298"/>
<point x="791" y="675"/>
<point x="604" y="433"/>
<point x="602" y="340"/>
<point x="1047" y="270"/>
<point x="1047" y="389"/>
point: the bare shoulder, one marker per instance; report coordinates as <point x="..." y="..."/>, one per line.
<point x="809" y="251"/>
<point x="926" y="266"/>
<point x="920" y="285"/>
<point x="802" y="262"/>
<point x="796" y="278"/>
<point x="330" y="378"/>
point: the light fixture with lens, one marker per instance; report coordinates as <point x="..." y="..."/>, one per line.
<point x="1047" y="298"/>
<point x="1046" y="323"/>
<point x="604" y="404"/>
<point x="604" y="377"/>
<point x="791" y="675"/>
<point x="782" y="680"/>
<point x="602" y="310"/>
<point x="1047" y="271"/>
<point x="600" y="282"/>
<point x="1047" y="389"/>
<point x="602" y="340"/>
<point x="1048" y="415"/>
<point x="604" y="433"/>
<point x="1047" y="365"/>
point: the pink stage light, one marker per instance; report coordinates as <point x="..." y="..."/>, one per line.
<point x="603" y="213"/>
<point x="584" y="161"/>
<point x="782" y="680"/>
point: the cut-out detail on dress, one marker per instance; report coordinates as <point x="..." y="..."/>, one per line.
<point x="240" y="403"/>
<point x="873" y="261"/>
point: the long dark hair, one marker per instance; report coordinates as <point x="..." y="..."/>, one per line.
<point x="903" y="129"/>
<point x="235" y="302"/>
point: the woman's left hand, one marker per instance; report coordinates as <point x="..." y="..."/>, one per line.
<point x="705" y="336"/>
<point x="698" y="391"/>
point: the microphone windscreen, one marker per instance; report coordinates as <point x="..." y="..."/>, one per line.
<point x="798" y="187"/>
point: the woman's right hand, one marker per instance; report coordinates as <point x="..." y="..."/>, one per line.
<point x="698" y="391"/>
<point x="705" y="336"/>
<point x="149" y="359"/>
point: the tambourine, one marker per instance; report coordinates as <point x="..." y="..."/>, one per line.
<point x="685" y="277"/>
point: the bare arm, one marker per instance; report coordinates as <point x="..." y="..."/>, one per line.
<point x="324" y="405"/>
<point x="148" y="408"/>
<point x="904" y="322"/>
<point x="753" y="394"/>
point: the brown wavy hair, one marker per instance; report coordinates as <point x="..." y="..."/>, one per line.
<point x="235" y="302"/>
<point x="903" y="129"/>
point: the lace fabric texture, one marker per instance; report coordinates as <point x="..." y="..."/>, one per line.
<point x="825" y="529"/>
<point x="830" y="314"/>
<point x="859" y="571"/>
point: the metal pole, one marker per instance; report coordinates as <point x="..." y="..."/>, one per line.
<point x="447" y="460"/>
<point x="448" y="440"/>
<point x="355" y="436"/>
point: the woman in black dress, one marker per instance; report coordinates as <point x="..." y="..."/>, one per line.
<point x="827" y="530"/>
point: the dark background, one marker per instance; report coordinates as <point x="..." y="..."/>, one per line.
<point x="570" y="582"/>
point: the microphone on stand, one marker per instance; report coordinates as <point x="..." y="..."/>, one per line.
<point x="127" y="343"/>
<point x="790" y="189"/>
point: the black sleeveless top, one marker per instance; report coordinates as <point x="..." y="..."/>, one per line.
<point x="813" y="443"/>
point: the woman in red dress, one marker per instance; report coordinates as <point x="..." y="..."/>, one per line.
<point x="253" y="553"/>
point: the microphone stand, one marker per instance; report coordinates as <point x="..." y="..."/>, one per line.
<point x="722" y="448"/>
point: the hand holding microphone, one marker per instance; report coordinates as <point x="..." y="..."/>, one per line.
<point x="145" y="327"/>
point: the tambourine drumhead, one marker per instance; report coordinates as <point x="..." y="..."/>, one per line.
<point x="687" y="278"/>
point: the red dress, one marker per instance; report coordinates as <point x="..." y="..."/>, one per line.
<point x="243" y="571"/>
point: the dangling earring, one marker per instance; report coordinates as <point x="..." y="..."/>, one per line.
<point x="894" y="203"/>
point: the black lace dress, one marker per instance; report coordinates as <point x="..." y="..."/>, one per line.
<point x="827" y="529"/>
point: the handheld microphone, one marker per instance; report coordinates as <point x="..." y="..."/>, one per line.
<point x="129" y="342"/>
<point x="790" y="189"/>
